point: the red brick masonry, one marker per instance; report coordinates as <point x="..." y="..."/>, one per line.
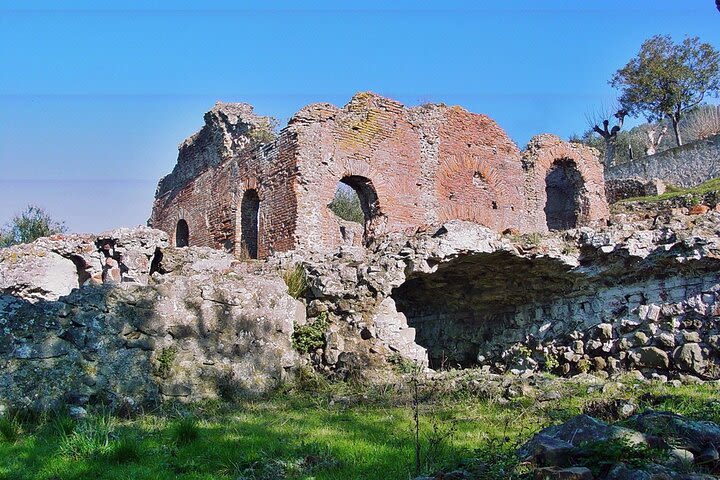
<point x="410" y="166"/>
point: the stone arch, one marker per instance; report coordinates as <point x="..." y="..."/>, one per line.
<point x="369" y="203"/>
<point x="564" y="191"/>
<point x="182" y="234"/>
<point x="249" y="223"/>
<point x="573" y="168"/>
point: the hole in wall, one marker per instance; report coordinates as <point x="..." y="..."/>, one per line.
<point x="356" y="201"/>
<point x="182" y="234"/>
<point x="474" y="299"/>
<point x="249" y="224"/>
<point x="563" y="189"/>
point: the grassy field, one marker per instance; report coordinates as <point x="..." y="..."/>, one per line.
<point x="332" y="433"/>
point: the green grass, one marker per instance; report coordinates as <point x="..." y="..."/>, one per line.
<point x="673" y="192"/>
<point x="296" y="280"/>
<point x="186" y="431"/>
<point x="311" y="435"/>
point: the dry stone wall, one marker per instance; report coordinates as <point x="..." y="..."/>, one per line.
<point x="194" y="323"/>
<point x="685" y="166"/>
<point x="200" y="326"/>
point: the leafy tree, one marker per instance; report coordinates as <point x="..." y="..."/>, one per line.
<point x="668" y="79"/>
<point x="346" y="205"/>
<point x="29" y="225"/>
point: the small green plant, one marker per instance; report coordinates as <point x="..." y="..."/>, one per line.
<point x="524" y="351"/>
<point x="264" y="132"/>
<point x="532" y="239"/>
<point x="602" y="455"/>
<point x="496" y="460"/>
<point x="402" y="364"/>
<point x="583" y="365"/>
<point x="9" y="430"/>
<point x="296" y="280"/>
<point x="125" y="450"/>
<point x="63" y="424"/>
<point x="186" y="431"/>
<point x="165" y="361"/>
<point x="551" y="362"/>
<point x="311" y="336"/>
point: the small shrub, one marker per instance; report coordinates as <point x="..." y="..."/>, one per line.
<point x="583" y="365"/>
<point x="125" y="450"/>
<point x="524" y="351"/>
<point x="551" y="362"/>
<point x="310" y="337"/>
<point x="532" y="239"/>
<point x="296" y="281"/>
<point x="186" y="431"/>
<point x="602" y="455"/>
<point x="165" y="361"/>
<point x="403" y="365"/>
<point x="9" y="430"/>
<point x="265" y="132"/>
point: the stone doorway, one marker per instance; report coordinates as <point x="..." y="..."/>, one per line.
<point x="367" y="197"/>
<point x="249" y="224"/>
<point x="563" y="189"/>
<point x="182" y="234"/>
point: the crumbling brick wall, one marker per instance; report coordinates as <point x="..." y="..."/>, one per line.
<point x="411" y="167"/>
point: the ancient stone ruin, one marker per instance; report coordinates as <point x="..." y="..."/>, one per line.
<point x="475" y="255"/>
<point x="410" y="167"/>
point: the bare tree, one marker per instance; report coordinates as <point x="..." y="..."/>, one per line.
<point x="654" y="137"/>
<point x="606" y="132"/>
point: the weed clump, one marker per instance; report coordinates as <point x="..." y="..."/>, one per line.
<point x="165" y="361"/>
<point x="186" y="431"/>
<point x="296" y="280"/>
<point x="91" y="436"/>
<point x="310" y="337"/>
<point x="125" y="450"/>
<point x="9" y="430"/>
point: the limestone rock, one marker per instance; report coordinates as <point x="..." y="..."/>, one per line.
<point x="651" y="357"/>
<point x="690" y="357"/>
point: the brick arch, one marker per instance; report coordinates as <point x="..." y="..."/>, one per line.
<point x="543" y="156"/>
<point x="182" y="233"/>
<point x="372" y="189"/>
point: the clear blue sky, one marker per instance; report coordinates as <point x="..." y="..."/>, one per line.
<point x="94" y="98"/>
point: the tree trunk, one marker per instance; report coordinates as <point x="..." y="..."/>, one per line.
<point x="676" y="127"/>
<point x="610" y="145"/>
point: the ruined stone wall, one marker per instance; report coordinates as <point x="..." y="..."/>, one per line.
<point x="210" y="200"/>
<point x="411" y="167"/>
<point x="685" y="166"/>
<point x="542" y="155"/>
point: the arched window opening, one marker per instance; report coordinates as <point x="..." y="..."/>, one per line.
<point x="356" y="201"/>
<point x="249" y="224"/>
<point x="563" y="187"/>
<point x="182" y="234"/>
